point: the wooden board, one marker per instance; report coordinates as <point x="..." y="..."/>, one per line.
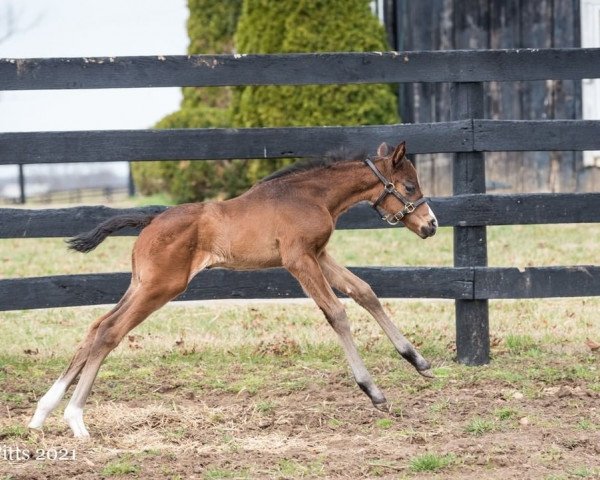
<point x="95" y="289"/>
<point x="468" y="283"/>
<point x="539" y="135"/>
<point x="222" y="143"/>
<point x="461" y="210"/>
<point x="226" y="143"/>
<point x="298" y="69"/>
<point x="538" y="282"/>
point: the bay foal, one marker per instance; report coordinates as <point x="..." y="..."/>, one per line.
<point x="285" y="220"/>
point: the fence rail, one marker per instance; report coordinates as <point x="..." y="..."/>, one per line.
<point x="471" y="283"/>
<point x="226" y="143"/>
<point x="457" y="211"/>
<point x="466" y="284"/>
<point x="299" y="69"/>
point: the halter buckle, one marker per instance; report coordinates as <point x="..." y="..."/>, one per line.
<point x="394" y="219"/>
<point x="409" y="208"/>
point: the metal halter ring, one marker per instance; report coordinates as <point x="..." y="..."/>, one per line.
<point x="393" y="219"/>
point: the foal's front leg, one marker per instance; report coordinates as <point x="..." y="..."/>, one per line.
<point x="307" y="271"/>
<point x="346" y="282"/>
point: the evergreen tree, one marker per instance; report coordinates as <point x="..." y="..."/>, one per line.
<point x="211" y="27"/>
<point x="268" y="26"/>
<point x="294" y="26"/>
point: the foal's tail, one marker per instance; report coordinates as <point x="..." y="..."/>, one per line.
<point x="86" y="242"/>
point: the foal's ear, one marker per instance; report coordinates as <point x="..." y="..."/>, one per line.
<point x="398" y="155"/>
<point x="383" y="150"/>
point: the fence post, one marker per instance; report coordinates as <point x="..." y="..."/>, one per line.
<point x="22" y="197"/>
<point x="130" y="182"/>
<point x="470" y="243"/>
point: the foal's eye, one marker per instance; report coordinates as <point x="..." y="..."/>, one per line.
<point x="410" y="189"/>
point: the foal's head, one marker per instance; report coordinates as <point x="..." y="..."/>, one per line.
<point x="402" y="173"/>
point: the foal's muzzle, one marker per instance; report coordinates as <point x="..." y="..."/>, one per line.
<point x="429" y="229"/>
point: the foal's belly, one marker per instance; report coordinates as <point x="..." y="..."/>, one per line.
<point x="252" y="261"/>
<point x="249" y="254"/>
<point x="247" y="265"/>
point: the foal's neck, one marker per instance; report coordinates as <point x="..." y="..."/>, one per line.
<point x="351" y="183"/>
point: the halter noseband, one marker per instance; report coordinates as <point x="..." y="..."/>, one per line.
<point x="390" y="189"/>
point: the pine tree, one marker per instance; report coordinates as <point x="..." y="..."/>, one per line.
<point x="294" y="26"/>
<point x="268" y="26"/>
<point x="211" y="27"/>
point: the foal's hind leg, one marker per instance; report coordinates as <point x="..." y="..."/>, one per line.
<point x="54" y="395"/>
<point x="306" y="269"/>
<point x="109" y="333"/>
<point x="345" y="281"/>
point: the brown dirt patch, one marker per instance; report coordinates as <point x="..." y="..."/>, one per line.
<point x="323" y="432"/>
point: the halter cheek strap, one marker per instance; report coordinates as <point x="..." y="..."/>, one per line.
<point x="390" y="189"/>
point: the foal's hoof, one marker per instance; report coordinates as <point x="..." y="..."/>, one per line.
<point x="426" y="373"/>
<point x="383" y="407"/>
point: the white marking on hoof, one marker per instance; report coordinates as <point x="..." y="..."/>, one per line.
<point x="74" y="418"/>
<point x="48" y="403"/>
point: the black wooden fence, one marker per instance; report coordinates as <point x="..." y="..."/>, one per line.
<point x="471" y="283"/>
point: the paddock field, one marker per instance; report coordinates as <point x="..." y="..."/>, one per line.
<point x="261" y="390"/>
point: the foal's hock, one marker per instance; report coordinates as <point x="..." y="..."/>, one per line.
<point x="285" y="221"/>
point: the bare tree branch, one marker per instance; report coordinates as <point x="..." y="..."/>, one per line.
<point x="10" y="20"/>
<point x="9" y="23"/>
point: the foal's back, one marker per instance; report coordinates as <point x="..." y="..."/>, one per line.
<point x="246" y="232"/>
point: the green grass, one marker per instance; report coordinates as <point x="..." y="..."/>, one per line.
<point x="289" y="468"/>
<point x="479" y="426"/>
<point x="585" y="472"/>
<point x="265" y="407"/>
<point x="585" y="424"/>
<point x="14" y="432"/>
<point x="219" y="473"/>
<point x="521" y="344"/>
<point x="431" y="462"/>
<point x="384" y="423"/>
<point x="505" y="413"/>
<point x="335" y="423"/>
<point x="441" y="406"/>
<point x="216" y="335"/>
<point x="122" y="466"/>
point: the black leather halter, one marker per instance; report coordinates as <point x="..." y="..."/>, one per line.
<point x="390" y="189"/>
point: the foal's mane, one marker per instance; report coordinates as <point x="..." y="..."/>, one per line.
<point x="340" y="155"/>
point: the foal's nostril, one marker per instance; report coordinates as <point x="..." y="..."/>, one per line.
<point x="431" y="228"/>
